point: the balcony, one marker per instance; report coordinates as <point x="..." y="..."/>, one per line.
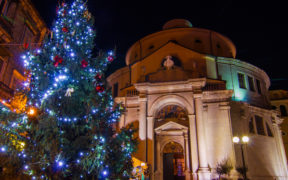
<point x="215" y="86"/>
<point x="6" y="28"/>
<point x="131" y="93"/>
<point x="5" y="91"/>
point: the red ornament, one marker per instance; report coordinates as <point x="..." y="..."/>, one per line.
<point x="25" y="45"/>
<point x="84" y="63"/>
<point x="98" y="77"/>
<point x="65" y="29"/>
<point x="99" y="88"/>
<point x="110" y="58"/>
<point x="57" y="60"/>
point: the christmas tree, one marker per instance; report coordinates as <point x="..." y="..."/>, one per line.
<point x="67" y="127"/>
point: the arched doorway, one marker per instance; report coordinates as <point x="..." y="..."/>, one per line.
<point x="171" y="152"/>
<point x="173" y="162"/>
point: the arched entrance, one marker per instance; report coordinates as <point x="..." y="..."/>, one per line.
<point x="173" y="162"/>
<point x="171" y="126"/>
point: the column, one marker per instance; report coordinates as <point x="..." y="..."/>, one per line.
<point x="158" y="172"/>
<point x="142" y="118"/>
<point x="150" y="142"/>
<point x="187" y="158"/>
<point x="203" y="171"/>
<point x="224" y="110"/>
<point x="193" y="143"/>
<point x="280" y="146"/>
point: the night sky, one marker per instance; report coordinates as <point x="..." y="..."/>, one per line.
<point x="259" y="30"/>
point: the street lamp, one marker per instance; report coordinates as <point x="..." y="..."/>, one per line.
<point x="244" y="140"/>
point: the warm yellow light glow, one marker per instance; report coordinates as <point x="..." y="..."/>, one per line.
<point x="31" y="111"/>
<point x="236" y="139"/>
<point x="22" y="144"/>
<point x="245" y="139"/>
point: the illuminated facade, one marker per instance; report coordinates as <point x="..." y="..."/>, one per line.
<point x="189" y="96"/>
<point x="279" y="101"/>
<point x="20" y="28"/>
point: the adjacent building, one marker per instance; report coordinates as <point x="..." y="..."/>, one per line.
<point x="279" y="101"/>
<point x="188" y="96"/>
<point x="21" y="27"/>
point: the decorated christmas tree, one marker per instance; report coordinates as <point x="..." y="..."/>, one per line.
<point x="66" y="128"/>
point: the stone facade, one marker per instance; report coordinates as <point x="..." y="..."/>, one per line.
<point x="21" y="27"/>
<point x="279" y="101"/>
<point x="189" y="109"/>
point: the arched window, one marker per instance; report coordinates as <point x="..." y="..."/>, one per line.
<point x="172" y="112"/>
<point x="283" y="110"/>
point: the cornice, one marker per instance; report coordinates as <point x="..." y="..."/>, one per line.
<point x="245" y="65"/>
<point x="175" y="86"/>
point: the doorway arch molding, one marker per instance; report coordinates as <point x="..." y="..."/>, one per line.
<point x="171" y="99"/>
<point x="171" y="132"/>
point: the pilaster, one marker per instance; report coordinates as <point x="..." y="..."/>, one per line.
<point x="142" y="117"/>
<point x="187" y="158"/>
<point x="280" y="146"/>
<point x="193" y="144"/>
<point x="203" y="171"/>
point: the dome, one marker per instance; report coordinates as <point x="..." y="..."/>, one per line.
<point x="181" y="32"/>
<point x="177" y="23"/>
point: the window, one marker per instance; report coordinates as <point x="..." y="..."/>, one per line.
<point x="115" y="90"/>
<point x="151" y="47"/>
<point x="251" y="126"/>
<point x="259" y="125"/>
<point x="2" y="5"/>
<point x="172" y="112"/>
<point x="258" y="84"/>
<point x="27" y="36"/>
<point x="269" y="132"/>
<point x="16" y="80"/>
<point x="283" y="110"/>
<point x="251" y="84"/>
<point x="241" y="80"/>
<point x="1" y="64"/>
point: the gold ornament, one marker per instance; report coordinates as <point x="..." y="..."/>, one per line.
<point x="87" y="15"/>
<point x="73" y="33"/>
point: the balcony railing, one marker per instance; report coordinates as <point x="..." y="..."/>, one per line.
<point x="214" y="86"/>
<point x="131" y="93"/>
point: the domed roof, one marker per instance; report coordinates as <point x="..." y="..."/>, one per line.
<point x="181" y="32"/>
<point x="177" y="23"/>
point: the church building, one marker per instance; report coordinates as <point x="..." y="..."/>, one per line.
<point x="193" y="103"/>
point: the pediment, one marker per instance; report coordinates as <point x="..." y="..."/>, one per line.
<point x="171" y="126"/>
<point x="173" y="46"/>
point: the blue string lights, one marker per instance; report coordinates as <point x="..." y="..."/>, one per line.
<point x="68" y="128"/>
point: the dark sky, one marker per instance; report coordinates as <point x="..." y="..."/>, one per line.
<point x="259" y="30"/>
